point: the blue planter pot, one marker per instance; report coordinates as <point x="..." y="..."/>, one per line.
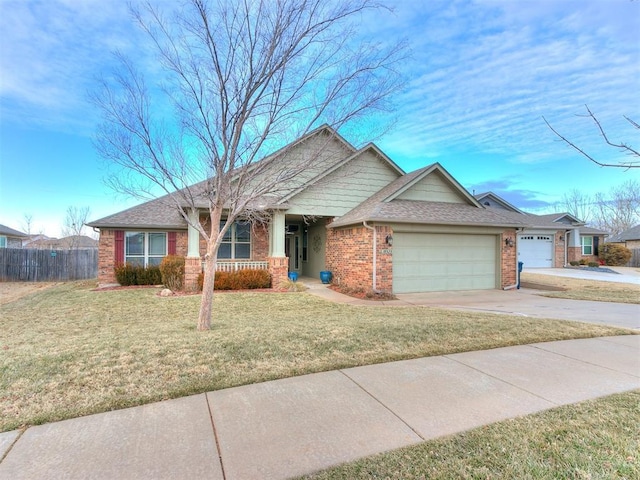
<point x="293" y="276"/>
<point x="325" y="276"/>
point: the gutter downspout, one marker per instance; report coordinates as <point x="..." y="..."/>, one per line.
<point x="375" y="250"/>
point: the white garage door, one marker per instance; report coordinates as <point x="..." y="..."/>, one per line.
<point x="429" y="262"/>
<point x="535" y="250"/>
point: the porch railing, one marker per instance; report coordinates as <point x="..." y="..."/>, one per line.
<point x="235" y="266"/>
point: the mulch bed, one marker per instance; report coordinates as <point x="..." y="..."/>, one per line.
<point x="363" y="294"/>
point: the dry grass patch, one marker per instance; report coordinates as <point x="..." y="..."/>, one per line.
<point x="578" y="289"/>
<point x="69" y="351"/>
<point x="593" y="440"/>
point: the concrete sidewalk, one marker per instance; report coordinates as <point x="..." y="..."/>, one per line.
<point x="294" y="426"/>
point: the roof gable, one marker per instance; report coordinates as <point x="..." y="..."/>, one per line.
<point x="432" y="184"/>
<point x="490" y="199"/>
<point x="345" y="185"/>
<point x="564" y="217"/>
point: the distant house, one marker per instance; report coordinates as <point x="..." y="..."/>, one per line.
<point x="73" y="242"/>
<point x="629" y="238"/>
<point x="10" y="238"/>
<point x="551" y="240"/>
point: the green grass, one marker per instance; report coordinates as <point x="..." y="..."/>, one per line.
<point x="578" y="289"/>
<point x="593" y="440"/>
<point x="67" y="351"/>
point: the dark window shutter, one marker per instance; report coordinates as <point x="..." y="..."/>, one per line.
<point x="119" y="247"/>
<point x="171" y="239"/>
<point x="596" y="244"/>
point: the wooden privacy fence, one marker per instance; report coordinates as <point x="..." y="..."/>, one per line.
<point x="31" y="265"/>
<point x="635" y="258"/>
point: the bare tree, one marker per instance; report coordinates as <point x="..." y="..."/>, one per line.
<point x="618" y="211"/>
<point x="74" y="223"/>
<point x="242" y="78"/>
<point x="27" y="223"/>
<point x="621" y="146"/>
<point x="577" y="204"/>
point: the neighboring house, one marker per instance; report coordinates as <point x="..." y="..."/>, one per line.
<point x="551" y="240"/>
<point x="72" y="242"/>
<point x="629" y="238"/>
<point x="10" y="238"/>
<point x="354" y="213"/>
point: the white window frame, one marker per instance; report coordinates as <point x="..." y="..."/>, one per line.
<point x="583" y="245"/>
<point x="145" y="256"/>
<point x="232" y="240"/>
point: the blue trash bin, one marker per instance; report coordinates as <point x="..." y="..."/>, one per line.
<point x="520" y="267"/>
<point x="293" y="276"/>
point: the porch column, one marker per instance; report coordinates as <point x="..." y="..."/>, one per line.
<point x="277" y="235"/>
<point x="193" y="264"/>
<point x="193" y="235"/>
<point x="574" y="248"/>
<point x="278" y="262"/>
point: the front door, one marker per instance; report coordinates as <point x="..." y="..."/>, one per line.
<point x="293" y="248"/>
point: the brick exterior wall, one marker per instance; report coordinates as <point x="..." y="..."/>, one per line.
<point x="279" y="270"/>
<point x="558" y="249"/>
<point x="259" y="242"/>
<point x="192" y="270"/>
<point x="508" y="260"/>
<point x="106" y="257"/>
<point x="349" y="257"/>
<point x="182" y="239"/>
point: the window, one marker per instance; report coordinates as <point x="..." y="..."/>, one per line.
<point x="3" y="241"/>
<point x="145" y="248"/>
<point x="236" y="243"/>
<point x="587" y="245"/>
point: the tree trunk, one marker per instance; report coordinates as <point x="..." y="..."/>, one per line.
<point x="206" y="303"/>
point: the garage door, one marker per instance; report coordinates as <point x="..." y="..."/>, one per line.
<point x="430" y="262"/>
<point x="535" y="250"/>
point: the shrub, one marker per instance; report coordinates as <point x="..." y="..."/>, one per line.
<point x="593" y="264"/>
<point x="240" y="280"/>
<point x="127" y="275"/>
<point x="614" y="254"/>
<point x="582" y="261"/>
<point x="172" y="270"/>
<point x="574" y="263"/>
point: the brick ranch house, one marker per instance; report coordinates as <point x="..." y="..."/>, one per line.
<point x="356" y="214"/>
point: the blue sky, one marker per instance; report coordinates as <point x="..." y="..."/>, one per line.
<point x="480" y="77"/>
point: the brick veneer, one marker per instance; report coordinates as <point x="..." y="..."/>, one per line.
<point x="349" y="256"/>
<point x="279" y="270"/>
<point x="106" y="257"/>
<point x="558" y="243"/>
<point x="508" y="259"/>
<point x="192" y="270"/>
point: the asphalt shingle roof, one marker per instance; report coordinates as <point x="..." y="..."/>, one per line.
<point x="632" y="234"/>
<point x="412" y="211"/>
<point x="10" y="232"/>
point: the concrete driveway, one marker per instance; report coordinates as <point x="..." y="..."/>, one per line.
<point x="621" y="275"/>
<point x="529" y="303"/>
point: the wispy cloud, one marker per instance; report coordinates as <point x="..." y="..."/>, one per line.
<point x="484" y="73"/>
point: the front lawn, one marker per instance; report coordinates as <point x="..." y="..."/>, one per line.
<point x="578" y="289"/>
<point x="68" y="351"/>
<point x="592" y="440"/>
